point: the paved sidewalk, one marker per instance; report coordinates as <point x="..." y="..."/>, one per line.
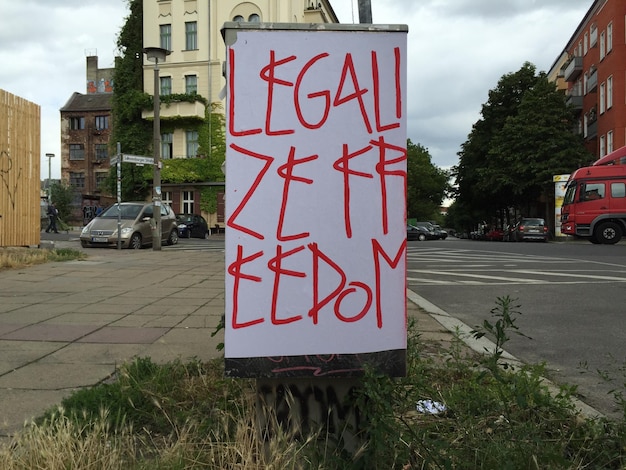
<point x="68" y="325"/>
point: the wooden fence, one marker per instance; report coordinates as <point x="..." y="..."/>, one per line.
<point x="20" y="154"/>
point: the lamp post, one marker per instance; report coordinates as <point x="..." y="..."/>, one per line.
<point x="50" y="157"/>
<point x="156" y="55"/>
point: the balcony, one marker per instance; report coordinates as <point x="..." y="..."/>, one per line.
<point x="572" y="69"/>
<point x="592" y="81"/>
<point x="574" y="99"/>
<point x="592" y="130"/>
<point x="177" y="108"/>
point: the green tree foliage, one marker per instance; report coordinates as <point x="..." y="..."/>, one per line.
<point x="62" y="194"/>
<point x="427" y="185"/>
<point x="523" y="138"/>
<point x="129" y="129"/>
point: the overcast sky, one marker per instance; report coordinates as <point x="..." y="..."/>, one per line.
<point x="458" y="50"/>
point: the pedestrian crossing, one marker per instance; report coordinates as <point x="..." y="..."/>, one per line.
<point x="443" y="266"/>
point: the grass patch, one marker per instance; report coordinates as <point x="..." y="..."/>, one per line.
<point x="187" y="415"/>
<point x="15" y="258"/>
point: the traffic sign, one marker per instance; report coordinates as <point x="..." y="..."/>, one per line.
<point x="138" y="159"/>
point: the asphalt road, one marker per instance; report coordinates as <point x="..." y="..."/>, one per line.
<point x="571" y="295"/>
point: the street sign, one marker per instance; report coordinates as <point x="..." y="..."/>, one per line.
<point x="113" y="160"/>
<point x="137" y="159"/>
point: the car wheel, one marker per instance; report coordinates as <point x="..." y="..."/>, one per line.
<point x="594" y="240"/>
<point x="135" y="242"/>
<point x="84" y="244"/>
<point x="173" y="238"/>
<point x="421" y="237"/>
<point x="206" y="235"/>
<point x="608" y="233"/>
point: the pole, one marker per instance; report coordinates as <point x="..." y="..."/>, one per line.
<point x="50" y="156"/>
<point x="119" y="195"/>
<point x="365" y="11"/>
<point x="156" y="198"/>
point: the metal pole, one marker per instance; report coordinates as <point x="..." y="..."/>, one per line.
<point x="119" y="195"/>
<point x="50" y="156"/>
<point x="365" y="11"/>
<point x="156" y="198"/>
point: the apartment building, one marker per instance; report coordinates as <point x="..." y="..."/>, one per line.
<point x="594" y="72"/>
<point x="86" y="123"/>
<point x="191" y="31"/>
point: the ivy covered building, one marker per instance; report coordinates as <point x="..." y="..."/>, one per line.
<point x="191" y="80"/>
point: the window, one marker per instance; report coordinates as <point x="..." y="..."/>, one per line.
<point x="166" y="85"/>
<point x="166" y="146"/>
<point x="602" y="146"/>
<point x="586" y="43"/>
<point x="254" y="18"/>
<point x="167" y="197"/>
<point x="191" y="84"/>
<point x="609" y="92"/>
<point x="618" y="190"/>
<point x="101" y="177"/>
<point x="609" y="38"/>
<point x="187" y="202"/>
<point x="191" y="35"/>
<point x="192" y="143"/>
<point x="593" y="191"/>
<point x="609" y="142"/>
<point x="102" y="152"/>
<point x="77" y="180"/>
<point x="77" y="123"/>
<point x="77" y="152"/>
<point x="602" y="97"/>
<point x="165" y="33"/>
<point x="102" y="122"/>
<point x="602" y="44"/>
<point x="238" y="19"/>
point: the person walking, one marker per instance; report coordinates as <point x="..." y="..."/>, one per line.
<point x="53" y="214"/>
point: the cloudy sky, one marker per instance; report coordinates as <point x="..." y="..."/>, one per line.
<point x="458" y="50"/>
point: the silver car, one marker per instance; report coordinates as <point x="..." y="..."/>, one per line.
<point x="136" y="226"/>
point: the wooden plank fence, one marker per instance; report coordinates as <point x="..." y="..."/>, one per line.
<point x="20" y="154"/>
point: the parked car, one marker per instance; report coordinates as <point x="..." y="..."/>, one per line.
<point x="441" y="233"/>
<point x="192" y="226"/>
<point x="530" y="229"/>
<point x="136" y="229"/>
<point x="420" y="233"/>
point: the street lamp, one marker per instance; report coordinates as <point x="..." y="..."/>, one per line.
<point x="50" y="157"/>
<point x="156" y="55"/>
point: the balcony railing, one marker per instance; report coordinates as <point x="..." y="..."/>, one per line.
<point x="592" y="81"/>
<point x="574" y="99"/>
<point x="177" y="108"/>
<point x="572" y="69"/>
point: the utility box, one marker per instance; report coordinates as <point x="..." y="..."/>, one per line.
<point x="20" y="153"/>
<point x="316" y="182"/>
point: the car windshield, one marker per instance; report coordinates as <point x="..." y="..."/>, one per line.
<point x="533" y="222"/>
<point x="570" y="193"/>
<point x="185" y="218"/>
<point x="127" y="211"/>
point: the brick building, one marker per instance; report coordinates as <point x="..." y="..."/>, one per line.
<point x="86" y="123"/>
<point x="593" y="70"/>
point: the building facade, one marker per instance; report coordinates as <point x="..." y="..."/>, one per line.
<point x="192" y="73"/>
<point x="86" y="123"/>
<point x="594" y="73"/>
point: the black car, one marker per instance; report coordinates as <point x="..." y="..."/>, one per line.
<point x="192" y="225"/>
<point x="419" y="233"/>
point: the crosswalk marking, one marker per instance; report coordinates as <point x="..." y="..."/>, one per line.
<point x="441" y="267"/>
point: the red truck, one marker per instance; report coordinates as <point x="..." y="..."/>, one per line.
<point x="594" y="206"/>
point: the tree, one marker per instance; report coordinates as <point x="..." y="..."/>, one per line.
<point x="62" y="194"/>
<point x="129" y="128"/>
<point x="523" y="138"/>
<point x="427" y="185"/>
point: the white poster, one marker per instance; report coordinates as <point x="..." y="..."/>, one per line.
<point x="315" y="193"/>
